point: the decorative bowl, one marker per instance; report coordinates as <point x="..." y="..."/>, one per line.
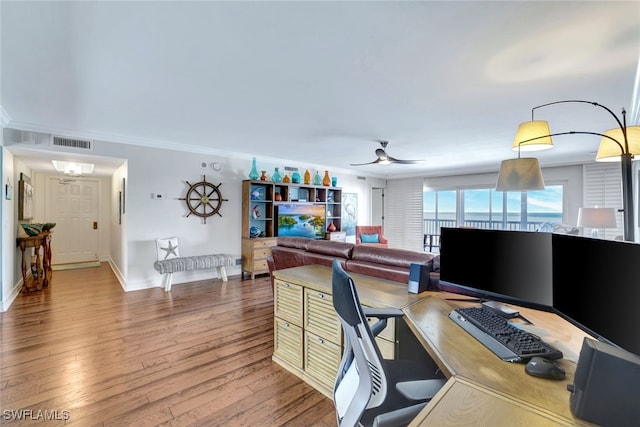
<point x="32" y="229"/>
<point x="48" y="226"/>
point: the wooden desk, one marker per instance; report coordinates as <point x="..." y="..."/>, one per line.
<point x="308" y="339"/>
<point x="482" y="389"/>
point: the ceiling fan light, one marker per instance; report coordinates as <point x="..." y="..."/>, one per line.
<point x="533" y="136"/>
<point x="609" y="151"/>
<point x="73" y="168"/>
<point x="384" y="162"/>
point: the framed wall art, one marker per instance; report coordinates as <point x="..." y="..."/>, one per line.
<point x="25" y="198"/>
<point x="349" y="213"/>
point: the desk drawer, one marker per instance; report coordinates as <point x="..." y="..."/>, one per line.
<point x="287" y="302"/>
<point x="321" y="359"/>
<point x="320" y="317"/>
<point x="288" y="342"/>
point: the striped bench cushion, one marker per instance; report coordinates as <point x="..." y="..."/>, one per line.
<point x="188" y="263"/>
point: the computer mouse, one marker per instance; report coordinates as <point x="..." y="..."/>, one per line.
<point x="544" y="368"/>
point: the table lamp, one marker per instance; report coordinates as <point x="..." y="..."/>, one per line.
<point x="596" y="218"/>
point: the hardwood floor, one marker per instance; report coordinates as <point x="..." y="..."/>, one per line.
<point x="199" y="355"/>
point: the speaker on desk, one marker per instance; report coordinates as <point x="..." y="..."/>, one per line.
<point x="606" y="385"/>
<point x="419" y="278"/>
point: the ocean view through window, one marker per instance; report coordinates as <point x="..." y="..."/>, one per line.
<point x="486" y="208"/>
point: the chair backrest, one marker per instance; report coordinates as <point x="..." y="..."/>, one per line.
<point x="167" y="248"/>
<point x="368" y="230"/>
<point x="361" y="382"/>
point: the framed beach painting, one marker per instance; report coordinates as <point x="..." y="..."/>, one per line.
<point x="349" y="213"/>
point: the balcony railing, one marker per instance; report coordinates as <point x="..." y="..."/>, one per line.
<point x="432" y="228"/>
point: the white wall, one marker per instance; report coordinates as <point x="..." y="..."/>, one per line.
<point x="152" y="171"/>
<point x="117" y="224"/>
<point x="9" y="221"/>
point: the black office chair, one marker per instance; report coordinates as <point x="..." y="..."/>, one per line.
<point x="369" y="390"/>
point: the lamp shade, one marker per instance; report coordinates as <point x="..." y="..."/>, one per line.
<point x="597" y="217"/>
<point x="609" y="151"/>
<point x="522" y="174"/>
<point x="533" y="136"/>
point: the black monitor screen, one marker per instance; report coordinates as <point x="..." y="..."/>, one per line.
<point x="507" y="266"/>
<point x="596" y="283"/>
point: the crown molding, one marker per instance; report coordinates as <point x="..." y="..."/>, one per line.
<point x="5" y="119"/>
<point x="168" y="145"/>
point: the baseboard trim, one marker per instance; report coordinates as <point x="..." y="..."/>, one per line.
<point x="75" y="265"/>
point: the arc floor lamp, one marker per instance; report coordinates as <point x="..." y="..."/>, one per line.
<point x="617" y="144"/>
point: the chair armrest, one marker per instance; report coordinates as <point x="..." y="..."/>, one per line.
<point x="382" y="239"/>
<point x="420" y="389"/>
<point x="382" y="313"/>
<point x="399" y="417"/>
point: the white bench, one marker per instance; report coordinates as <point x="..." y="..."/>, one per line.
<point x="199" y="262"/>
<point x="170" y="262"/>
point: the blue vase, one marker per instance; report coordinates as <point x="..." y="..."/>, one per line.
<point x="276" y="177"/>
<point x="295" y="177"/>
<point x="317" y="179"/>
<point x="253" y="174"/>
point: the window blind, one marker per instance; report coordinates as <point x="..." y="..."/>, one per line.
<point x="403" y="224"/>
<point x="603" y="188"/>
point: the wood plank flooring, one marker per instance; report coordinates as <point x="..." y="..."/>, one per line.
<point x="199" y="355"/>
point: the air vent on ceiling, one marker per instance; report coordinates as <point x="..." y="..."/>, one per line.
<point x="290" y="169"/>
<point x="82" y="144"/>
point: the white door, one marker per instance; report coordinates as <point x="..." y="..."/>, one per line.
<point x="73" y="205"/>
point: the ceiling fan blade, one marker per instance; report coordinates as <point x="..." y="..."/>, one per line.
<point x="404" y="162"/>
<point x="385" y="159"/>
<point x="364" y="164"/>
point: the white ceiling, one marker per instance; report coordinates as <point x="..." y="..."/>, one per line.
<point x="443" y="81"/>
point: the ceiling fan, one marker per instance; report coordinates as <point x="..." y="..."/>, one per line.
<point x="385" y="159"/>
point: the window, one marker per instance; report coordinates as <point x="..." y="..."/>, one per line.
<point x="489" y="209"/>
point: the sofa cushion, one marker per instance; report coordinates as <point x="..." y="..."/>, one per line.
<point x="381" y="271"/>
<point x="330" y="248"/>
<point x="389" y="256"/>
<point x="312" y="258"/>
<point x="294" y="242"/>
<point x="370" y="238"/>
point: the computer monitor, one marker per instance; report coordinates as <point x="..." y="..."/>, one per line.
<point x="505" y="266"/>
<point x="596" y="285"/>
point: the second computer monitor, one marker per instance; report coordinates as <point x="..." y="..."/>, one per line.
<point x="508" y="266"/>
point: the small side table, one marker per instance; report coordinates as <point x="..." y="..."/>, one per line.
<point x="337" y="236"/>
<point x="42" y="278"/>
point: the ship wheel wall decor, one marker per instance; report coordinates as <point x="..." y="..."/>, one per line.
<point x="204" y="199"/>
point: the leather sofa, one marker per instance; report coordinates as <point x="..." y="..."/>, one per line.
<point x="384" y="263"/>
